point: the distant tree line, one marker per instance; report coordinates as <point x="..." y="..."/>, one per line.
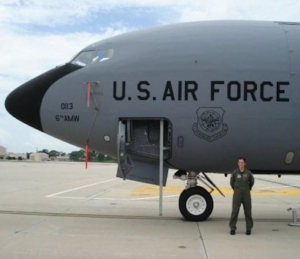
<point x="52" y="153"/>
<point x="93" y="156"/>
<point x="80" y="155"/>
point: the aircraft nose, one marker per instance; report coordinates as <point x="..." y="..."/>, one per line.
<point x="24" y="103"/>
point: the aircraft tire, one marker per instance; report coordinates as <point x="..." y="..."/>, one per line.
<point x="196" y="204"/>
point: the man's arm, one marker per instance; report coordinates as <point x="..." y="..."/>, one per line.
<point x="251" y="180"/>
<point x="232" y="180"/>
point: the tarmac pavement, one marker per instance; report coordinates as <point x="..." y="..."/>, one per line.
<point x="62" y="210"/>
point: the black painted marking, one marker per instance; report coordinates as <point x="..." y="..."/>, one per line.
<point x="67" y="118"/>
<point x="123" y="91"/>
<point x="66" y="106"/>
<point x="141" y="87"/>
<point x="179" y="90"/>
<point x="213" y="89"/>
<point x="262" y="89"/>
<point x="24" y="103"/>
<point x="230" y="88"/>
<point x="189" y="90"/>
<point x="234" y="91"/>
<point x="74" y="118"/>
<point x="281" y="91"/>
<point x="250" y="91"/>
<point x="168" y="92"/>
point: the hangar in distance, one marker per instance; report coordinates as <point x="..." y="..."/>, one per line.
<point x="223" y="89"/>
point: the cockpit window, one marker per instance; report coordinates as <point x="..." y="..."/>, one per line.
<point x="83" y="58"/>
<point x="102" y="55"/>
<point x="87" y="57"/>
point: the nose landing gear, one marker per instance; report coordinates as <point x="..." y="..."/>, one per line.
<point x="195" y="202"/>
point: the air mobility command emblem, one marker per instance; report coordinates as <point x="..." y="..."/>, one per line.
<point x="210" y="124"/>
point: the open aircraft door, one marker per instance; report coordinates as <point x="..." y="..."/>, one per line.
<point x="138" y="150"/>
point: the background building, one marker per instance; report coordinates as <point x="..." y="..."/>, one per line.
<point x="39" y="157"/>
<point x="16" y="156"/>
<point x="61" y="158"/>
<point x="2" y="152"/>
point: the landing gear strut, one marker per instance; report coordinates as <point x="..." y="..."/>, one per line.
<point x="195" y="202"/>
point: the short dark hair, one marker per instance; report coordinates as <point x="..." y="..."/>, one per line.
<point x="242" y="158"/>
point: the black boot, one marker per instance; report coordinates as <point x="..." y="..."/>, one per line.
<point x="248" y="232"/>
<point x="232" y="232"/>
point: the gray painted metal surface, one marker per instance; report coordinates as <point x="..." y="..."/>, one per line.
<point x="225" y="88"/>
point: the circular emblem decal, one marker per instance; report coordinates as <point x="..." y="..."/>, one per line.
<point x="210" y="121"/>
<point x="209" y="125"/>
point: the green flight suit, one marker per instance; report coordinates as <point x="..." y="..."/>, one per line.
<point x="241" y="183"/>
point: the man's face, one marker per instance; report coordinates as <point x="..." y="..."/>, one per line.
<point x="241" y="163"/>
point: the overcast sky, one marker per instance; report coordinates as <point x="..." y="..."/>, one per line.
<point x="37" y="35"/>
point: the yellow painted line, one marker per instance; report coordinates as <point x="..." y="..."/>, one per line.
<point x="280" y="192"/>
<point x="149" y="191"/>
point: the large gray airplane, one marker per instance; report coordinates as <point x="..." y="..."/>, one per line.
<point x="223" y="89"/>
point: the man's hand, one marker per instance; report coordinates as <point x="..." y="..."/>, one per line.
<point x="232" y="180"/>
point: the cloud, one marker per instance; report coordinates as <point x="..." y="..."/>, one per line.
<point x="31" y="54"/>
<point x="4" y="134"/>
<point x="48" y="13"/>
<point x="56" y="13"/>
<point x="38" y="141"/>
<point x="244" y="10"/>
<point x="18" y="137"/>
<point x="5" y="137"/>
<point x="38" y="35"/>
<point x="24" y="54"/>
<point x="8" y="83"/>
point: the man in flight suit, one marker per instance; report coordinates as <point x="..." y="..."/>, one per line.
<point x="241" y="182"/>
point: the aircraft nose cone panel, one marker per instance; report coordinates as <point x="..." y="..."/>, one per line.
<point x="24" y="103"/>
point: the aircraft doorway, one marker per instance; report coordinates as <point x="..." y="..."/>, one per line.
<point x="142" y="137"/>
<point x="138" y="145"/>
